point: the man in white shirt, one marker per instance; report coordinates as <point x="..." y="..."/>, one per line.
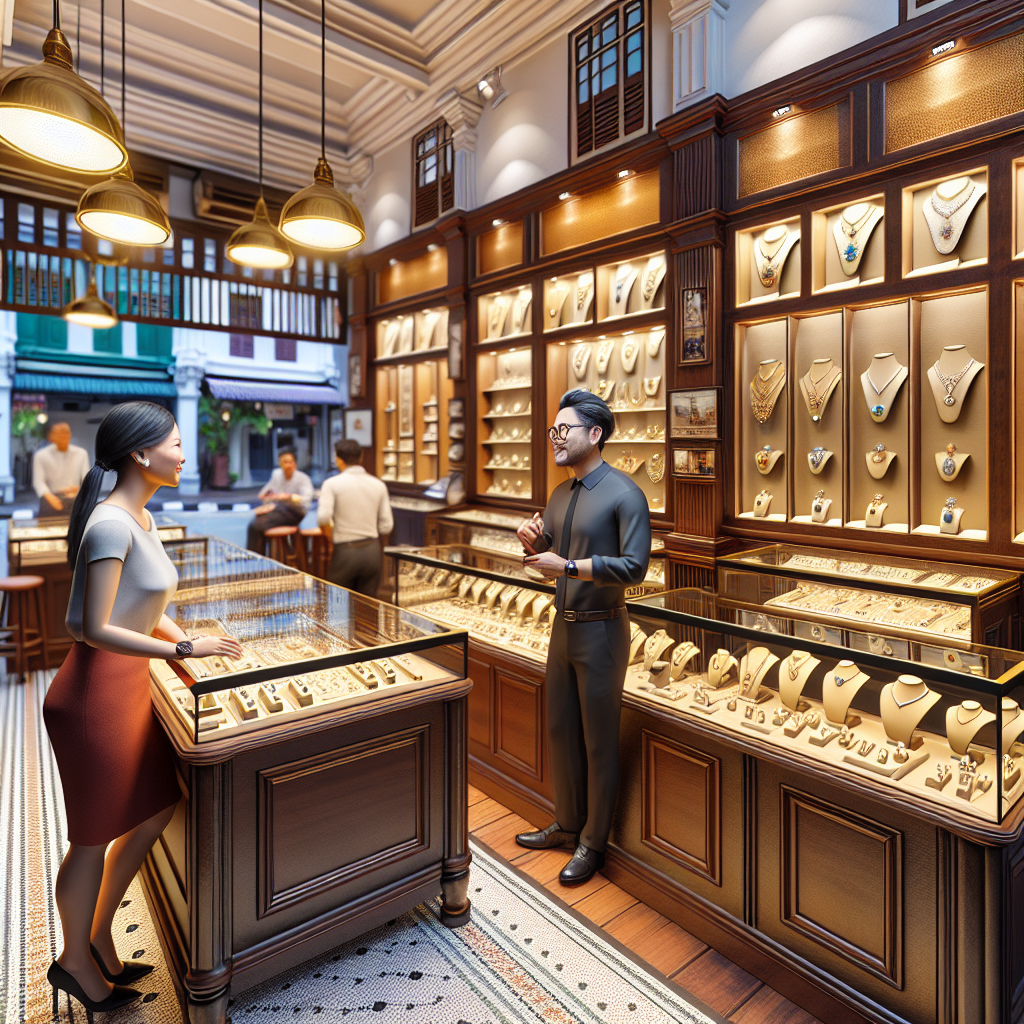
<point x="58" y="470"/>
<point x="355" y="507"/>
<point x="286" y="497"/>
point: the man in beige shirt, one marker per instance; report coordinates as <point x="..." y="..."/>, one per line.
<point x="58" y="470"/>
<point x="355" y="507"/>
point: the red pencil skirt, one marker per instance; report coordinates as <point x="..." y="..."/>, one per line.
<point x="114" y="760"/>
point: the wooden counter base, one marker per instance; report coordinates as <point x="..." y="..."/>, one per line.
<point x="287" y="848"/>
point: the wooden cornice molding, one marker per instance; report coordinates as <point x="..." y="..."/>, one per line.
<point x="694" y="122"/>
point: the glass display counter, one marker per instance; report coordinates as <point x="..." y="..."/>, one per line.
<point x="937" y="725"/>
<point x="899" y="597"/>
<point x="308" y="646"/>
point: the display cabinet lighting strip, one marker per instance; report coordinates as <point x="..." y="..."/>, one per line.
<point x="945" y="47"/>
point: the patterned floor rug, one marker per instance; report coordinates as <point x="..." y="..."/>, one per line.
<point x="523" y="957"/>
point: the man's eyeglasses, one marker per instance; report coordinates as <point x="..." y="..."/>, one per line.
<point x="561" y="432"/>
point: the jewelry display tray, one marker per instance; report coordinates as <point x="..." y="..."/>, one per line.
<point x="309" y="647"/>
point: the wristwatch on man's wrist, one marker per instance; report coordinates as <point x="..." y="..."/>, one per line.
<point x="183" y="648"/>
<point x="570" y="569"/>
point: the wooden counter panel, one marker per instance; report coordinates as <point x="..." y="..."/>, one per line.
<point x="322" y="825"/>
<point x="519" y="734"/>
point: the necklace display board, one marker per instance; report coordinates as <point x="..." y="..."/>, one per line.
<point x="633" y="286"/>
<point x="768" y="263"/>
<point x="849" y="245"/>
<point x="505" y="431"/>
<point x="950" y="223"/>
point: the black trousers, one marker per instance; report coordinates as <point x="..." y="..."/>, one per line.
<point x="585" y="674"/>
<point x="358" y="565"/>
<point x="282" y="514"/>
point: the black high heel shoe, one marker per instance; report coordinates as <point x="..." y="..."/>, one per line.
<point x="129" y="973"/>
<point x="62" y="981"/>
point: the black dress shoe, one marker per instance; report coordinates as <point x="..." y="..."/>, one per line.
<point x="550" y="838"/>
<point x="581" y="867"/>
<point x="129" y="972"/>
<point x="61" y="981"/>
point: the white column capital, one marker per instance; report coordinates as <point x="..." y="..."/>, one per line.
<point x="187" y="379"/>
<point x="698" y="50"/>
<point x="462" y="114"/>
<point x="682" y="11"/>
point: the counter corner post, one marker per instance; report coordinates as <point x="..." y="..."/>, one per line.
<point x="455" y="906"/>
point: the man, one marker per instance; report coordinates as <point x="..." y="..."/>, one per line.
<point x="355" y="507"/>
<point x="58" y="470"/>
<point x="595" y="539"/>
<point x="286" y="497"/>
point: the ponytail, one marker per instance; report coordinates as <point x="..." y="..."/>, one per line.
<point x="129" y="427"/>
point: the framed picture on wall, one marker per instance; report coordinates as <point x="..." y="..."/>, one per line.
<point x="359" y="426"/>
<point x="455" y="366"/>
<point x="695" y="413"/>
<point x="694" y="463"/>
<point x="355" y="376"/>
<point x="694" y="341"/>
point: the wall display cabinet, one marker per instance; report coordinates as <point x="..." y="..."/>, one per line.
<point x="505" y="314"/>
<point x="335" y="694"/>
<point x="423" y="330"/>
<point x="505" y="423"/>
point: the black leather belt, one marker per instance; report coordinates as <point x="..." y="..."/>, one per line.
<point x="604" y="613"/>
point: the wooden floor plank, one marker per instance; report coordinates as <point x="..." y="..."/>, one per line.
<point x="484" y="812"/>
<point x="475" y="796"/>
<point x="717" y="981"/>
<point x="609" y="901"/>
<point x="542" y="865"/>
<point x="575" y="894"/>
<point x="662" y="943"/>
<point x="766" y="1006"/>
<point x="500" y="835"/>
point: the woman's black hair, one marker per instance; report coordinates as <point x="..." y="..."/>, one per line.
<point x="128" y="427"/>
<point x="592" y="411"/>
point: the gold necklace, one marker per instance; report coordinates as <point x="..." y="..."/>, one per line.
<point x="794" y="663"/>
<point x="764" y="392"/>
<point x="770" y="270"/>
<point x="815" y="401"/>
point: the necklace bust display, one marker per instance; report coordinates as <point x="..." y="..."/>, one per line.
<point x="496" y="316"/>
<point x="817" y="386"/>
<point x="793" y="675"/>
<point x="554" y="302"/>
<point x="851" y="231"/>
<point x="903" y="704"/>
<point x="681" y="657"/>
<point x="948" y="209"/>
<point x="584" y="297"/>
<point x="770" y="251"/>
<point x="520" y="311"/>
<point x="950" y="378"/>
<point x="753" y="668"/>
<point x="650" y="280"/>
<point x="838" y="690"/>
<point x="620" y="287"/>
<point x="881" y="382"/>
<point x="950" y="462"/>
<point x="766" y="458"/>
<point x="817" y="458"/>
<point x="963" y="723"/>
<point x="580" y="360"/>
<point x="766" y="387"/>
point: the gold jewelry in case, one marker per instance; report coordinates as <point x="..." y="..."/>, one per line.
<point x="656" y="467"/>
<point x="878" y="455"/>
<point x="763" y="457"/>
<point x="654" y="340"/>
<point x="950" y="381"/>
<point x="630" y="350"/>
<point x="765" y="391"/>
<point x="580" y="359"/>
<point x="604" y="389"/>
<point x="629" y="464"/>
<point x="767" y="269"/>
<point x="651" y="386"/>
<point x="948" y="464"/>
<point x="604" y="355"/>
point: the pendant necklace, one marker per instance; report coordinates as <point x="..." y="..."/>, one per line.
<point x="816" y="456"/>
<point x="950" y="382"/>
<point x="649" y="282"/>
<point x="949" y="464"/>
<point x="946" y="208"/>
<point x="851" y="251"/>
<point x="794" y="663"/>
<point x="878" y="410"/>
<point x="749" y="675"/>
<point x="764" y="392"/>
<point x="906" y="703"/>
<point x="769" y="271"/>
<point x="814" y="400"/>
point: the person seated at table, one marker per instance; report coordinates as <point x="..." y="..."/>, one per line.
<point x="286" y="497"/>
<point x="58" y="470"/>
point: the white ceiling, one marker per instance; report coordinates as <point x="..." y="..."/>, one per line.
<point x="192" y="71"/>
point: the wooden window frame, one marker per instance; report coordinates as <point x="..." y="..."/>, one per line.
<point x="430" y="199"/>
<point x="582" y="54"/>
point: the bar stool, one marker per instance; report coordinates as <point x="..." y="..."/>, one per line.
<point x="24" y="640"/>
<point x="284" y="544"/>
<point x="314" y="545"/>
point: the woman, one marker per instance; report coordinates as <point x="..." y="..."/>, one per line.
<point x="116" y="768"/>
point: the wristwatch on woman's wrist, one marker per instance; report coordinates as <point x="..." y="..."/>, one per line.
<point x="183" y="648"/>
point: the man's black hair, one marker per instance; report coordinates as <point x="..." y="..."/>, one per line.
<point x="287" y="450"/>
<point x="349" y="451"/>
<point x="592" y="411"/>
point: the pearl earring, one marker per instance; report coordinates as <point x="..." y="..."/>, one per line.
<point x="142" y="462"/>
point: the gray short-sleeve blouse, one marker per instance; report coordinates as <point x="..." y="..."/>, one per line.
<point x="148" y="577"/>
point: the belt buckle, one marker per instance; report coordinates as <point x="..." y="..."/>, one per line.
<point x="569" y="616"/>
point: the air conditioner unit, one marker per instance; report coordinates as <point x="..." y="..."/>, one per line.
<point x="223" y="199"/>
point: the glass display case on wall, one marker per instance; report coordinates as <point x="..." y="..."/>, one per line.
<point x="848" y="244"/>
<point x="627" y="370"/>
<point x="945" y="223"/>
<point x="505" y="423"/>
<point x="308" y="647"/>
<point x="631" y="286"/>
<point x="505" y="314"/>
<point x="413" y="332"/>
<point x="797" y="376"/>
<point x="903" y="598"/>
<point x="768" y="261"/>
<point x="412" y="421"/>
<point x="488" y="593"/>
<point x="939" y="727"/>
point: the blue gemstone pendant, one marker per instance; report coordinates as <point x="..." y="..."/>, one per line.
<point x="947" y="517"/>
<point x="878" y="411"/>
<point x="850" y="253"/>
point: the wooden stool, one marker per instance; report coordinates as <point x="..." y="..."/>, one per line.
<point x="14" y="606"/>
<point x="315" y="546"/>
<point x="284" y="545"/>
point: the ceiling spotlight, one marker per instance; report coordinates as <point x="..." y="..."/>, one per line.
<point x="568" y="195"/>
<point x="490" y="88"/>
<point x="90" y="310"/>
<point x="779" y="111"/>
<point x="497" y="222"/>
<point x="319" y="216"/>
<point x="624" y="174"/>
<point x="51" y="114"/>
<point x="392" y="262"/>
<point x="432" y="247"/>
<point x="945" y="47"/>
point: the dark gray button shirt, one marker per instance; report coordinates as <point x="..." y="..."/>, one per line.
<point x="612" y="526"/>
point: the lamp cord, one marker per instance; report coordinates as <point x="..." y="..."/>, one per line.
<point x="261" y="98"/>
<point x="323" y="79"/>
<point x="124" y="59"/>
<point x="103" y="44"/>
<point x="56" y="14"/>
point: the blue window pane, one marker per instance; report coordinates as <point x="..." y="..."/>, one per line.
<point x="634" y="65"/>
<point x="582" y="49"/>
<point x="210" y="255"/>
<point x="608" y="79"/>
<point x="633" y="42"/>
<point x="26" y="223"/>
<point x="188" y="253"/>
<point x="72" y="232"/>
<point x="51" y="227"/>
<point x="583" y="94"/>
<point x="634" y="15"/>
<point x="609" y="57"/>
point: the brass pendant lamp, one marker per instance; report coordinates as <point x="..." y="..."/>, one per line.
<point x="319" y="216"/>
<point x="259" y="244"/>
<point x="90" y="310"/>
<point x="51" y="114"/>
<point x="117" y="209"/>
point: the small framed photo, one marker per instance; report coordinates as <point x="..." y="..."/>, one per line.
<point x="359" y="426"/>
<point x="695" y="320"/>
<point x="456" y="369"/>
<point x="456" y="408"/>
<point x="695" y="413"/>
<point x="355" y="376"/>
<point x="694" y="463"/>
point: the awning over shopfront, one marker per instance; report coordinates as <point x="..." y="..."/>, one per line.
<point x="63" y="383"/>
<point x="263" y="391"/>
